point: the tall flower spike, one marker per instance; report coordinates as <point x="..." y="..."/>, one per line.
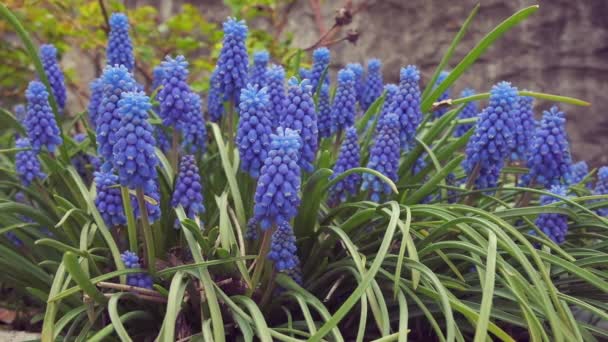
<point x="277" y="195"/>
<point x="601" y="187"/>
<point x="233" y="60"/>
<point x="27" y="164"/>
<point x="469" y="111"/>
<point x="134" y="155"/>
<point x="254" y="130"/>
<point x="143" y="280"/>
<point x="391" y="93"/>
<point x="300" y="116"/>
<point x="320" y="63"/>
<point x="40" y="124"/>
<point x="120" y="48"/>
<point x="549" y="159"/>
<point x="193" y="127"/>
<point x="373" y="83"/>
<point x="554" y="225"/>
<point x="116" y="80"/>
<point x="48" y="57"/>
<point x="578" y="172"/>
<point x="344" y="106"/>
<point x="383" y="157"/>
<point x="349" y="157"/>
<point x="406" y="104"/>
<point x="524" y="128"/>
<point x="324" y="118"/>
<point x="283" y="250"/>
<point x="188" y="189"/>
<point x="215" y="105"/>
<point x="439" y="112"/>
<point x="175" y="96"/>
<point x="357" y="70"/>
<point x="257" y="72"/>
<point x="96" y="87"/>
<point x="493" y="138"/>
<point x="275" y="76"/>
<point x="109" y="200"/>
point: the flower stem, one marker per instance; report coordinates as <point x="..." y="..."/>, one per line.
<point x="471" y="182"/>
<point x="260" y="260"/>
<point x="230" y="130"/>
<point x="131" y="226"/>
<point x="337" y="144"/>
<point x="148" y="239"/>
<point x="175" y="150"/>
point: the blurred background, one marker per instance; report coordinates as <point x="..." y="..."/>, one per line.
<point x="562" y="49"/>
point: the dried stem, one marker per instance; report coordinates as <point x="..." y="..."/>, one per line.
<point x="129" y="288"/>
<point x="147" y="230"/>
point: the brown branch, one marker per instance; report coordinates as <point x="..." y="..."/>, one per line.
<point x="316" y="10"/>
<point x="280" y="26"/>
<point x="105" y="16"/>
<point x="129" y="288"/>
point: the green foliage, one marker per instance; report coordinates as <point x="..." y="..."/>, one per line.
<point x="432" y="262"/>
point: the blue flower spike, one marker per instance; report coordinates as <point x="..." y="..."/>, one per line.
<point x="469" y="111"/>
<point x="283" y="249"/>
<point x="120" y="48"/>
<point x="96" y="87"/>
<point x="320" y="63"/>
<point x="257" y="72"/>
<point x="349" y="158"/>
<point x="357" y="70"/>
<point x="344" y="106"/>
<point x="373" y="83"/>
<point x="215" y="103"/>
<point x="406" y="105"/>
<point x="233" y="60"/>
<point x="554" y="225"/>
<point x="524" y="129"/>
<point x="324" y="120"/>
<point x="27" y="164"/>
<point x="188" y="189"/>
<point x="143" y="280"/>
<point x="109" y="200"/>
<point x="40" y="124"/>
<point x="48" y="57"/>
<point x="275" y="76"/>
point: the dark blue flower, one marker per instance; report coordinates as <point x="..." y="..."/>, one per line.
<point x="549" y="159"/>
<point x="283" y="249"/>
<point x="158" y="75"/>
<point x="275" y="76"/>
<point x="233" y="60"/>
<point x="13" y="239"/>
<point x="48" y="57"/>
<point x="345" y="101"/>
<point x="193" y="128"/>
<point x="601" y="188"/>
<point x="469" y="111"/>
<point x="143" y="280"/>
<point x="96" y="87"/>
<point x="373" y="83"/>
<point x="109" y="200"/>
<point x="254" y="130"/>
<point x="188" y="188"/>
<point x="320" y="63"/>
<point x="349" y="158"/>
<point x="391" y="93"/>
<point x="134" y="155"/>
<point x="257" y="72"/>
<point x="493" y="138"/>
<point x="300" y="116"/>
<point x="439" y="112"/>
<point x="116" y="80"/>
<point x="357" y="70"/>
<point x="120" y="48"/>
<point x="215" y="103"/>
<point x="175" y="97"/>
<point x="162" y="141"/>
<point x="406" y="105"/>
<point x="578" y="172"/>
<point x="277" y="194"/>
<point x="383" y="157"/>
<point x="40" y="124"/>
<point x="524" y="128"/>
<point x="304" y="73"/>
<point x="554" y="225"/>
<point x="324" y="109"/>
<point x="27" y="164"/>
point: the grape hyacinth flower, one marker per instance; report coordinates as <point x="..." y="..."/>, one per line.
<point x="320" y="63"/>
<point x="469" y="111"/>
<point x="554" y="225"/>
<point x="373" y="83"/>
<point x="549" y="159"/>
<point x="27" y="164"/>
<point x="391" y="93"/>
<point x="82" y="159"/>
<point x="233" y="60"/>
<point x="601" y="188"/>
<point x="277" y="194"/>
<point x="162" y="141"/>
<point x="193" y="127"/>
<point x="304" y="73"/>
<point x="439" y="112"/>
<point x="188" y="189"/>
<point x="14" y="239"/>
<point x="257" y="72"/>
<point x="40" y="124"/>
<point x="215" y="105"/>
<point x="109" y="200"/>
<point x="406" y="105"/>
<point x="524" y="129"/>
<point x="120" y="48"/>
<point x="275" y="76"/>
<point x="349" y="157"/>
<point x="134" y="155"/>
<point x="344" y="106"/>
<point x="48" y="57"/>
<point x="254" y="130"/>
<point x="357" y="70"/>
<point x="96" y="87"/>
<point x="20" y="112"/>
<point x="283" y="249"/>
<point x="116" y="80"/>
<point x="143" y="280"/>
<point x="384" y="157"/>
<point x="493" y="138"/>
<point x="300" y="116"/>
<point x="158" y="75"/>
<point x="175" y="97"/>
<point x="578" y="172"/>
<point x="324" y="118"/>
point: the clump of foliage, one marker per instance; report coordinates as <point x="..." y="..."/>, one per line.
<point x="256" y="225"/>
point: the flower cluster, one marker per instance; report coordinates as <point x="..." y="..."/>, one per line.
<point x="391" y="93"/>
<point x="120" y="48"/>
<point x="254" y="130"/>
<point x="188" y="188"/>
<point x="304" y="73"/>
<point x="275" y="78"/>
<point x="257" y="72"/>
<point x="108" y="200"/>
<point x="40" y="124"/>
<point x="300" y="116"/>
<point x="175" y="97"/>
<point x="373" y="83"/>
<point x="324" y="119"/>
<point x="193" y="128"/>
<point x="384" y="157"/>
<point x="469" y="111"/>
<point x="554" y="225"/>
<point x="320" y="63"/>
<point x="162" y="141"/>
<point x="277" y="194"/>
<point x="143" y="280"/>
<point x="215" y="105"/>
<point x="439" y="112"/>
<point x="233" y="60"/>
<point x="96" y="87"/>
<point x="524" y="128"/>
<point x="578" y="172"/>
<point x="344" y="106"/>
<point x="357" y="70"/>
<point x="406" y="105"/>
<point x="27" y="164"/>
<point x="349" y="157"/>
<point x="48" y="57"/>
<point x="283" y="250"/>
<point x="601" y="187"/>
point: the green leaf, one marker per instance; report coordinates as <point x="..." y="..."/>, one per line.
<point x="174" y="306"/>
<point x="115" y="317"/>
<point x="8" y="120"/>
<point x="73" y="266"/>
<point x="488" y="291"/>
